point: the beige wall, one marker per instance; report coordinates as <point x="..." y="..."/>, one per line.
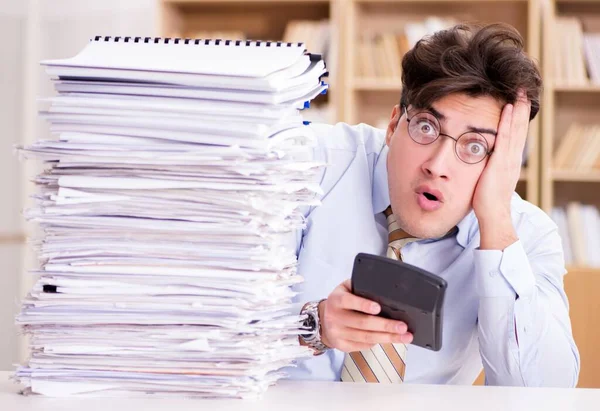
<point x="65" y="27"/>
<point x="12" y="26"/>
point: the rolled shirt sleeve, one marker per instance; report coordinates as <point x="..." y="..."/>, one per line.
<point x="523" y="322"/>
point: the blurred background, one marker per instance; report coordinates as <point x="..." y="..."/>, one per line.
<point x="363" y="42"/>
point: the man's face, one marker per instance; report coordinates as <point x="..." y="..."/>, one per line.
<point x="431" y="189"/>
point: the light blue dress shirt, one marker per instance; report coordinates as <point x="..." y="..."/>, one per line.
<point x="492" y="296"/>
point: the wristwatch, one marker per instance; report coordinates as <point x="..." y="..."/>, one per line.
<point x="312" y="325"/>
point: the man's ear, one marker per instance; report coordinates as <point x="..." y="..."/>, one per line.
<point x="391" y="128"/>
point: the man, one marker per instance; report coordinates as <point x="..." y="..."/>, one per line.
<point x="447" y="167"/>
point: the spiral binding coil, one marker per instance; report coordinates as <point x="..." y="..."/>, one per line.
<point x="206" y="42"/>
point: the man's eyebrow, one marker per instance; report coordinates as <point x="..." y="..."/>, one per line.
<point x="436" y="113"/>
<point x="483" y="130"/>
<point x="480" y="130"/>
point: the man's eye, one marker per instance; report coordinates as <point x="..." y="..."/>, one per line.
<point x="425" y="127"/>
<point x="475" y="148"/>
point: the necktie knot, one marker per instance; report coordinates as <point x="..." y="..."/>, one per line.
<point x="397" y="237"/>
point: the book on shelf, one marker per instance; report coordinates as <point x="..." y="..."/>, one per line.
<point x="591" y="48"/>
<point x="579" y="148"/>
<point x="380" y="54"/>
<point x="220" y="34"/>
<point x="315" y="34"/>
<point x="416" y="30"/>
<point x="579" y="228"/>
<point x="576" y="56"/>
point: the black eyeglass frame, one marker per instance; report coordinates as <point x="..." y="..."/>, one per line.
<point x="487" y="152"/>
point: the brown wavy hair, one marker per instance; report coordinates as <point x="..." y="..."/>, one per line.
<point x="478" y="60"/>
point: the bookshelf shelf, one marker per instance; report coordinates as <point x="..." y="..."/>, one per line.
<point x="257" y="20"/>
<point x="591" y="88"/>
<point x="440" y="1"/>
<point x="568" y="2"/>
<point x="573" y="175"/>
<point x="582" y="285"/>
<point x="581" y="269"/>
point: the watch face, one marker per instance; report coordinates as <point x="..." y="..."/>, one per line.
<point x="311" y="325"/>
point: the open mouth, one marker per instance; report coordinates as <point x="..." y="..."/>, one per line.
<point x="429" y="199"/>
<point x="430" y="196"/>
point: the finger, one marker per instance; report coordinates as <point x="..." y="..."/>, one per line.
<point x="407" y="338"/>
<point x="520" y="121"/>
<point x="370" y="337"/>
<point x="521" y="97"/>
<point x="348" y="301"/>
<point x="351" y="346"/>
<point x="522" y="109"/>
<point x="504" y="128"/>
<point x="367" y="322"/>
<point x="380" y="338"/>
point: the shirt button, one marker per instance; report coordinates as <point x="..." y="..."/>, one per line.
<point x="493" y="273"/>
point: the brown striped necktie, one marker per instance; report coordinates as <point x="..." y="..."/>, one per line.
<point x="383" y="363"/>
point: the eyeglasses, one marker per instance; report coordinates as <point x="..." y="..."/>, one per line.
<point x="424" y="128"/>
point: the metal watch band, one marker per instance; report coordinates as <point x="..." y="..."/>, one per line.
<point x="313" y="338"/>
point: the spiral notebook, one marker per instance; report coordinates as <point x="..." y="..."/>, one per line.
<point x="267" y="66"/>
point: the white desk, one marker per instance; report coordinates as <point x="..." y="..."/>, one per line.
<point x="303" y="396"/>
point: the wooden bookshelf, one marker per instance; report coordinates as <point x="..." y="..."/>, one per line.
<point x="576" y="176"/>
<point x="562" y="88"/>
<point x="563" y="105"/>
<point x="259" y="19"/>
<point x="582" y="286"/>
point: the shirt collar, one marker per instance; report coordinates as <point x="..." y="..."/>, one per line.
<point x="467" y="228"/>
<point x="381" y="199"/>
<point x="381" y="190"/>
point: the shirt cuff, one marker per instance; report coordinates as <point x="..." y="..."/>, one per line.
<point x="504" y="273"/>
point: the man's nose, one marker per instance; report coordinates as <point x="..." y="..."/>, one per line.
<point x="441" y="157"/>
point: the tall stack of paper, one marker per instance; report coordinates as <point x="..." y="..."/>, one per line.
<point x="179" y="175"/>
